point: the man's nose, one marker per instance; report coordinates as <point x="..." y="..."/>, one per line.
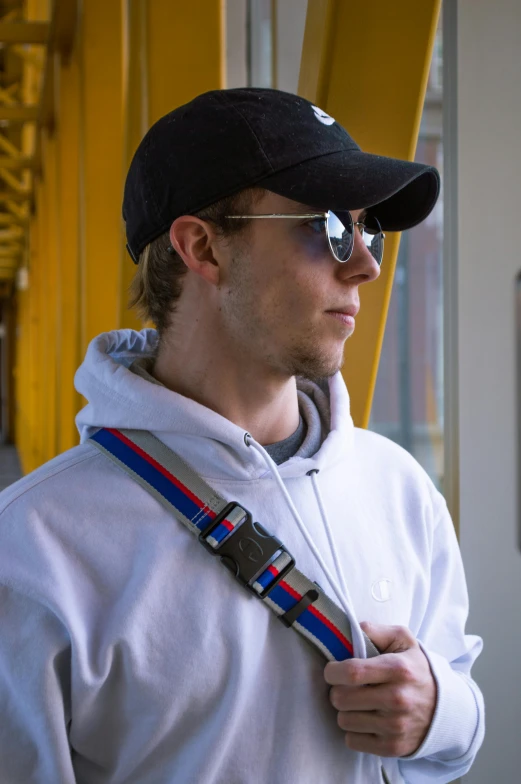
<point x="361" y="264"/>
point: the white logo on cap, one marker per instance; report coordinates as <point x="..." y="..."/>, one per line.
<point x="324" y="118"/>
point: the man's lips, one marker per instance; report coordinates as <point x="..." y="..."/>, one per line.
<point x="346" y="315"/>
<point x="350" y="310"/>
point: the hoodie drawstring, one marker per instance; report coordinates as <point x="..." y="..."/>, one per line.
<point x="325" y="520"/>
<point x="313" y="475"/>
<point x="344" y="598"/>
<point x="341" y="595"/>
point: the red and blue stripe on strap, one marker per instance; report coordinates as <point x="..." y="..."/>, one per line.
<point x="313" y="622"/>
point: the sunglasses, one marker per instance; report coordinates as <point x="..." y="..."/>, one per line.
<point x="340" y="229"/>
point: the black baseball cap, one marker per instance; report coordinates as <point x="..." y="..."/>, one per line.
<point x="227" y="140"/>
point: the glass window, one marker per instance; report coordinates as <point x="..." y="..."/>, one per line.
<point x="264" y="43"/>
<point x="408" y="400"/>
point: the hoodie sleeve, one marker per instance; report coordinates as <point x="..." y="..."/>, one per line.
<point x="34" y="693"/>
<point x="458" y="725"/>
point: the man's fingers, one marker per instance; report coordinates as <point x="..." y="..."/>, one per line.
<point x="372" y="723"/>
<point x="367" y="722"/>
<point x="372" y="698"/>
<point x="364" y="672"/>
<point x="374" y="744"/>
<point x="389" y="639"/>
<point x="368" y="743"/>
<point x="385" y="704"/>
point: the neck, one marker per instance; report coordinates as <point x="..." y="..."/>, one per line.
<point x="204" y="366"/>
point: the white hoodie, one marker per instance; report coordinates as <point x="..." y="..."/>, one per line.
<point x="128" y="655"/>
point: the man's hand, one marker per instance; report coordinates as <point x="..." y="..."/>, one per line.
<point x="385" y="704"/>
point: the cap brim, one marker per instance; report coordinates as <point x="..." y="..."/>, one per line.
<point x="400" y="193"/>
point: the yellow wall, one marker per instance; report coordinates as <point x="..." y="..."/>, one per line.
<point x="131" y="62"/>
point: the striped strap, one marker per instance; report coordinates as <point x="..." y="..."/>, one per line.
<point x="295" y="599"/>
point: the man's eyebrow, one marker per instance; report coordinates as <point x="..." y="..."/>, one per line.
<point x="299" y="206"/>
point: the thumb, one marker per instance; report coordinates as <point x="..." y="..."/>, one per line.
<point x="389" y="639"/>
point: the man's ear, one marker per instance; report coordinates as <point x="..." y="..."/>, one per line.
<point x="195" y="241"/>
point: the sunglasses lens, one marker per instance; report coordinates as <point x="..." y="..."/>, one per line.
<point x="374" y="239"/>
<point x="341" y="234"/>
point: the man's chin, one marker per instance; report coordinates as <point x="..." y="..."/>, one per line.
<point x="315" y="367"/>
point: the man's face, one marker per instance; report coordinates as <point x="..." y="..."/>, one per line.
<point x="284" y="297"/>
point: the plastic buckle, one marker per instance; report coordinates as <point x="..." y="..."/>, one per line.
<point x="248" y="550"/>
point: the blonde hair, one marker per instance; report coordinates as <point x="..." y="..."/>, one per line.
<point x="158" y="282"/>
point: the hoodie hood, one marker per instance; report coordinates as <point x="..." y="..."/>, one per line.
<point x="120" y="398"/>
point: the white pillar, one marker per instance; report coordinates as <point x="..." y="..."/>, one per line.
<point x="489" y="257"/>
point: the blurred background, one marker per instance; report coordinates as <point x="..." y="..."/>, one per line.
<point x="435" y="359"/>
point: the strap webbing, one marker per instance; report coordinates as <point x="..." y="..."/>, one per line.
<point x="294" y="598"/>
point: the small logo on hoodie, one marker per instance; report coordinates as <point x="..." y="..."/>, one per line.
<point x="381" y="589"/>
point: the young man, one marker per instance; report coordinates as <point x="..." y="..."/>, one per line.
<point x="128" y="654"/>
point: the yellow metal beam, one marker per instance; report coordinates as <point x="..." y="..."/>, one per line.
<point x="63" y="28"/>
<point x="199" y="55"/>
<point x="41" y="348"/>
<point x="6" y="288"/>
<point x="32" y="367"/>
<point x="11" y="197"/>
<point x="32" y="422"/>
<point x="14" y="233"/>
<point x="12" y="16"/>
<point x="101" y="175"/>
<point x="20" y="211"/>
<point x="19" y="113"/>
<point x="372" y="78"/>
<point x="6" y="94"/>
<point x="7" y="146"/>
<point x="67" y="99"/>
<point x="47" y="103"/>
<point x="61" y="39"/>
<point x="6" y="219"/>
<point x="15" y="164"/>
<point x="52" y="287"/>
<point x="10" y="251"/>
<point x="13" y="183"/>
<point x="24" y="32"/>
<point x="135" y="122"/>
<point x="31" y="55"/>
<point x="317" y="57"/>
